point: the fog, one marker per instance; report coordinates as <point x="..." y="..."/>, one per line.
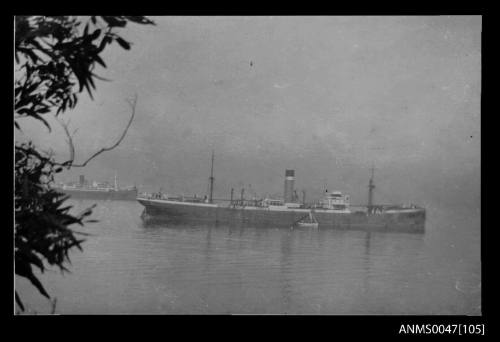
<point x="326" y="96"/>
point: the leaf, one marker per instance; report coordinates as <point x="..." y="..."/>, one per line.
<point x="19" y="302"/>
<point x="24" y="270"/>
<point x="38" y="117"/>
<point x="91" y="81"/>
<point x="82" y="233"/>
<point x="140" y="19"/>
<point x="86" y="212"/>
<point x="123" y="43"/>
<point x="31" y="54"/>
<point x="114" y="21"/>
<point x="35" y="260"/>
<point x="99" y="60"/>
<point x="105" y="41"/>
<point x="95" y="34"/>
<point x="88" y="90"/>
<point x="101" y="78"/>
<point x="44" y="110"/>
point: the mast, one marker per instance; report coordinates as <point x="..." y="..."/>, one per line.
<point x="210" y="198"/>
<point x="116" y="182"/>
<point x="371" y="186"/>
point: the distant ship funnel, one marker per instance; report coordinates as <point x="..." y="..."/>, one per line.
<point x="289" y="183"/>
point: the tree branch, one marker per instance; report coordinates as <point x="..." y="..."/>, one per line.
<point x="70" y="143"/>
<point x="69" y="163"/>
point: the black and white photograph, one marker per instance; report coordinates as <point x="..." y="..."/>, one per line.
<point x="247" y="165"/>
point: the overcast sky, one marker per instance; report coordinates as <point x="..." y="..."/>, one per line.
<point x="326" y="96"/>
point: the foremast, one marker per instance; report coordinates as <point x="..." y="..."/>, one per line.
<point x="211" y="180"/>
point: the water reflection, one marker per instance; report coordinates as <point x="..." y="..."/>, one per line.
<point x="135" y="266"/>
<point x="285" y="267"/>
<point x="366" y="262"/>
<point x="207" y="264"/>
<point x="297" y="270"/>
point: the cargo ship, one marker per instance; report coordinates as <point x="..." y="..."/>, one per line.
<point x="83" y="189"/>
<point x="333" y="211"/>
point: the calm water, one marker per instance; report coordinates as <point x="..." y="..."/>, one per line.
<point x="129" y="267"/>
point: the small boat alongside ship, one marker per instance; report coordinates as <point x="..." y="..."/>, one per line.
<point x="83" y="189"/>
<point x="334" y="211"/>
<point x="308" y="221"/>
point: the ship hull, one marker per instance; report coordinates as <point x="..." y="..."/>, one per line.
<point x="412" y="221"/>
<point x="124" y="195"/>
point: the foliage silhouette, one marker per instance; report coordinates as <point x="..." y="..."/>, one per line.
<point x="55" y="57"/>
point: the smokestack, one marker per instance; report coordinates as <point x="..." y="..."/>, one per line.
<point x="82" y="180"/>
<point x="289" y="182"/>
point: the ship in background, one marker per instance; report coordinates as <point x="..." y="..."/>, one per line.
<point x="334" y="211"/>
<point x="84" y="189"/>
